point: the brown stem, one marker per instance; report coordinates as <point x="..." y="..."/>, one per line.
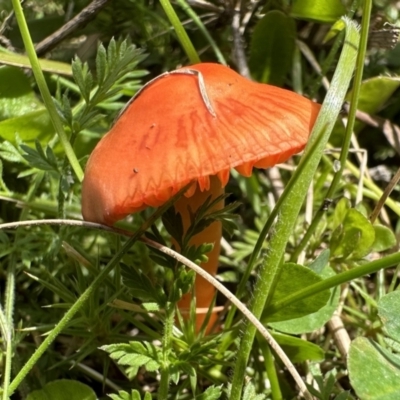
<point x="381" y="202"/>
<point x="212" y="234"/>
<point x="79" y="20"/>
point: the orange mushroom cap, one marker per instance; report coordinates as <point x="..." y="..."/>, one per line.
<point x="169" y="136"/>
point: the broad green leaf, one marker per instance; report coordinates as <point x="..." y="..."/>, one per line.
<point x="16" y="95"/>
<point x="318" y="10"/>
<point x="272" y="46"/>
<point x="385" y="238"/>
<point x="21" y="61"/>
<point x="319" y="264"/>
<point x="298" y="350"/>
<point x="363" y="209"/>
<point x="315" y="320"/>
<point x="30" y="126"/>
<point x="375" y="92"/>
<point x="341" y="209"/>
<point x="63" y="389"/>
<point x="354" y="237"/>
<point x="374" y="371"/>
<point x="344" y="241"/>
<point x="389" y="313"/>
<point x="294" y="278"/>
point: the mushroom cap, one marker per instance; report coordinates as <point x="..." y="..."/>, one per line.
<point x="167" y="138"/>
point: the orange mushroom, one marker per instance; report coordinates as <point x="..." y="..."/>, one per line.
<point x="192" y="125"/>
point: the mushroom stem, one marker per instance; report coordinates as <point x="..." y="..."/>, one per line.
<point x="212" y="234"/>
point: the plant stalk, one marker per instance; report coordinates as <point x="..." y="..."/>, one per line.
<point x="44" y="90"/>
<point x="166" y="347"/>
<point x="195" y="18"/>
<point x="271" y="370"/>
<point x="271" y="265"/>
<point x="180" y="32"/>
<point x="349" y="127"/>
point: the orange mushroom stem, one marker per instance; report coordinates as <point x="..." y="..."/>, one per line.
<point x="192" y="125"/>
<point x="205" y="291"/>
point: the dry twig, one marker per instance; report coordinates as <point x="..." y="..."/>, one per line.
<point x="79" y="20"/>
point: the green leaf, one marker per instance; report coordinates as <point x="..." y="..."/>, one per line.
<point x="134" y="395"/>
<point x="31" y="126"/>
<point x="374" y="93"/>
<point x="225" y="215"/>
<point x="186" y="368"/>
<point x="272" y="47"/>
<point x="354" y="237"/>
<point x="249" y="393"/>
<point x="198" y="254"/>
<point x="151" y="307"/>
<point x="320" y="262"/>
<point x="83" y="78"/>
<point x="183" y="282"/>
<point x="374" y="371"/>
<point x="10" y="153"/>
<point x="325" y="383"/>
<point x="389" y="313"/>
<point x="66" y="111"/>
<point x="112" y="52"/>
<point x="211" y="393"/>
<point x="172" y="222"/>
<point x="318" y="10"/>
<point x="341" y="209"/>
<point x="175" y="373"/>
<point x="101" y="64"/>
<point x="134" y="355"/>
<point x="315" y="320"/>
<point x="298" y="350"/>
<point x="343" y="396"/>
<point x="16" y="95"/>
<point x="121" y="58"/>
<point x="141" y="286"/>
<point x="3" y="185"/>
<point x="63" y="389"/>
<point x="38" y="159"/>
<point x="293" y="278"/>
<point x="385" y="238"/>
<point x="337" y="27"/>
